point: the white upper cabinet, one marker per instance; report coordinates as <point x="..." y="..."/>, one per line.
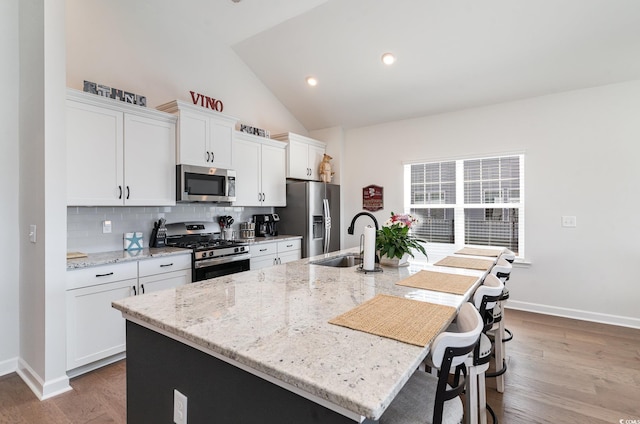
<point x="118" y="154"/>
<point x="205" y="138"/>
<point x="260" y="171"/>
<point x="304" y="155"/>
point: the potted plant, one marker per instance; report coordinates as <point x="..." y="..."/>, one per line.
<point x="393" y="242"/>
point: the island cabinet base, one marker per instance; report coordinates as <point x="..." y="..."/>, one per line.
<point x="216" y="391"/>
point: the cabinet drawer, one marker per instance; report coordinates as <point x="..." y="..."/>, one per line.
<point x="289" y="245"/>
<point x="87" y="277"/>
<point x="261" y="249"/>
<point x="164" y="264"/>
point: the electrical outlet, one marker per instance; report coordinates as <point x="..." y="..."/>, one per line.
<point x="106" y="227"/>
<point x="179" y="407"/>
<point x="569" y="221"/>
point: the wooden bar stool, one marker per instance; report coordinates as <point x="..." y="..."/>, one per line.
<point x="502" y="270"/>
<point x="429" y="399"/>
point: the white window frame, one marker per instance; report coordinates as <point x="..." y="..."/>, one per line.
<point x="459" y="206"/>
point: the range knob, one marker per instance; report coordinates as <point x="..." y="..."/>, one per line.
<point x="236" y="250"/>
<point x="211" y="253"/>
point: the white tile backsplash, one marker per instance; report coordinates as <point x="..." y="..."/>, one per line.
<point x="84" y="224"/>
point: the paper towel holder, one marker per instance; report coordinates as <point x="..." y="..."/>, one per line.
<point x="360" y="268"/>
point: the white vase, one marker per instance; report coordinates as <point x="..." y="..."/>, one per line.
<point x="403" y="261"/>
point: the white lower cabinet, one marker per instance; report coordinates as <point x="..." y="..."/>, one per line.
<point x="264" y="255"/>
<point x="163" y="273"/>
<point x="95" y="330"/>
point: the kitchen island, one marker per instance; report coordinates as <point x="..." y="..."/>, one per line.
<point x="257" y="346"/>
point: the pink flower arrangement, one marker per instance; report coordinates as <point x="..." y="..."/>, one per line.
<point x="393" y="239"/>
<point x="402" y="220"/>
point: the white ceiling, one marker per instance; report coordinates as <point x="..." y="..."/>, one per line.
<point x="452" y="54"/>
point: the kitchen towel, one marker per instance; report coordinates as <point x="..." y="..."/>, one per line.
<point x="406" y="320"/>
<point x="369" y="249"/>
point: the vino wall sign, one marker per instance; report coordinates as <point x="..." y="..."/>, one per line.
<point x="206" y="101"/>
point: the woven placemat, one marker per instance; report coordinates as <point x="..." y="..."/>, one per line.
<point x="406" y="320"/>
<point x="439" y="281"/>
<point x="475" y="251"/>
<point x="468" y="263"/>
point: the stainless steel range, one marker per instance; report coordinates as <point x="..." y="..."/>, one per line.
<point x="212" y="256"/>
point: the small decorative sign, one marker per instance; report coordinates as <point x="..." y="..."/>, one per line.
<point x="206" y="101"/>
<point x="255" y="131"/>
<point x="114" y="93"/>
<point x="372" y="198"/>
<point x="133" y="241"/>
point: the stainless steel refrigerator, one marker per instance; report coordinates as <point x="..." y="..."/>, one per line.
<point x="313" y="211"/>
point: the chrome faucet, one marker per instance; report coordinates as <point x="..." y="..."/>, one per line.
<point x="353" y="221"/>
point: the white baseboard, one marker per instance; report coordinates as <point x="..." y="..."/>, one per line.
<point x="42" y="389"/>
<point x="574" y="314"/>
<point x="8" y="366"/>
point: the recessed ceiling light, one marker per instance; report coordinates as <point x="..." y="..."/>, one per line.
<point x="312" y="81"/>
<point x="388" y="59"/>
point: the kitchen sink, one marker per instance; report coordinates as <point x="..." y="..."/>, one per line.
<point x="343" y="261"/>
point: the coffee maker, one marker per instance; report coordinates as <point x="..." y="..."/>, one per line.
<point x="266" y="224"/>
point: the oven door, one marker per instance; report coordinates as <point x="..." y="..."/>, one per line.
<point x="217" y="267"/>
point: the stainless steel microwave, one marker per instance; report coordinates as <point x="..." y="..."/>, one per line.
<point x="203" y="184"/>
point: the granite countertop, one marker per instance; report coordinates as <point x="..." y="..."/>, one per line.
<point x="275" y="321"/>
<point x="103" y="258"/>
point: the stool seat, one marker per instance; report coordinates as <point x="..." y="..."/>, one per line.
<point x="416" y="401"/>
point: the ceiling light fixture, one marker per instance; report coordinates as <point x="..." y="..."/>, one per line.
<point x="388" y="59"/>
<point x="312" y="81"/>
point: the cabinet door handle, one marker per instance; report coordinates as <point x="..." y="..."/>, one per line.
<point x="128" y="192"/>
<point x="264" y="197"/>
<point x="213" y="157"/>
<point x="104" y="275"/>
<point x="142" y="287"/>
<point x="120" y="195"/>
<point x="135" y="292"/>
<point x="166" y="265"/>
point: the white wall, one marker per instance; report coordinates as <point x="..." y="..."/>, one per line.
<point x="9" y="168"/>
<point x="127" y="45"/>
<point x="42" y="196"/>
<point x="581" y="152"/>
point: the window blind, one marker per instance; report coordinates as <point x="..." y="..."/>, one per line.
<point x="485" y="194"/>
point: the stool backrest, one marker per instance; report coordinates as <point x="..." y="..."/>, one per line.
<point x="502" y="269"/>
<point x="488" y="293"/>
<point x="470" y="326"/>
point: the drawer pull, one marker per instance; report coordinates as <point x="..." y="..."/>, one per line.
<point x="104" y="275"/>
<point x="289" y="245"/>
<point x="263" y="250"/>
<point x="166" y="265"/>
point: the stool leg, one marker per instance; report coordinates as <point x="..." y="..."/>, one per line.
<point x="500" y="355"/>
<point x="472" y="395"/>
<point x="482" y="399"/>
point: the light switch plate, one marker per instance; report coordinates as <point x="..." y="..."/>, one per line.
<point x="32" y="233"/>
<point x="569" y="221"/>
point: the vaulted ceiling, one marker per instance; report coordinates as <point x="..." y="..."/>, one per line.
<point x="451" y="54"/>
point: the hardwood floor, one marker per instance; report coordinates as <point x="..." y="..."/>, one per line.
<point x="97" y="397"/>
<point x="560" y="371"/>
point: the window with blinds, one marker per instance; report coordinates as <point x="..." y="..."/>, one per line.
<point x="471" y="201"/>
